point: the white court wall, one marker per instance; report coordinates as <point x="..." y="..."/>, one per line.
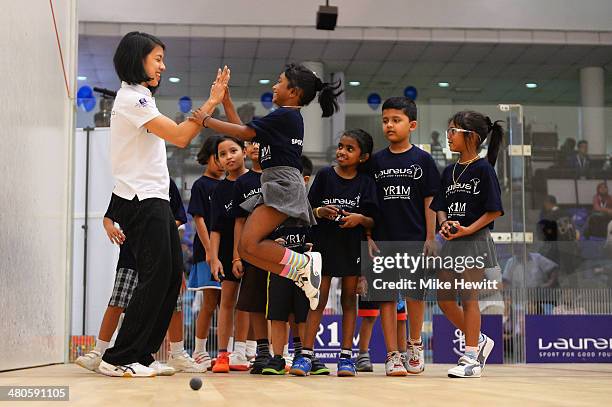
<point x="37" y="118"/>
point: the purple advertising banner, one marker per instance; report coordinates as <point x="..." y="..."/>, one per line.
<point x="329" y="336"/>
<point x="449" y="342"/>
<point x="568" y="338"/>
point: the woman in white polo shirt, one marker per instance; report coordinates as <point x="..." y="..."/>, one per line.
<point x="140" y="201"/>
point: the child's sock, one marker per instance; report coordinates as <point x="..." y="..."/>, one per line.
<point x="200" y="345"/>
<point x="297" y="345"/>
<point x="346" y="354"/>
<point x="293" y="261"/>
<point x="286" y="350"/>
<point x="263" y="347"/>
<point x="177" y="348"/>
<point x="471" y="351"/>
<point x="417" y="342"/>
<point x="101" y="346"/>
<point x="481" y="338"/>
<point x="240" y="348"/>
<point x="309" y="353"/>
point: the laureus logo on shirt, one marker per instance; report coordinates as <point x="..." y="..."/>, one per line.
<point x="142" y="103"/>
<point x="252" y="192"/>
<point x="342" y="202"/>
<point x="265" y="153"/>
<point x="414" y="171"/>
<point x="228" y="206"/>
<point x="470" y="187"/>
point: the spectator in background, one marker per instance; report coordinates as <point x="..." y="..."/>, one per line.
<point x="580" y="159"/>
<point x="566" y="151"/>
<point x="537" y="272"/>
<point x="550" y="210"/>
<point x="437" y="153"/>
<point x="602" y="201"/>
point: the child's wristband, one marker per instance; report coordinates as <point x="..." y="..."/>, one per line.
<point x="316" y="212"/>
<point x="236" y="260"/>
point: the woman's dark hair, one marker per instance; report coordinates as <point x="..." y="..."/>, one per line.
<point x="221" y="139"/>
<point x="130" y="55"/>
<point x="484" y="128"/>
<point x="366" y="145"/>
<point x="408" y="106"/>
<point x="303" y="78"/>
<point x="207" y="150"/>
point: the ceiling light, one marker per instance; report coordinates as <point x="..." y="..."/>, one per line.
<point x="443" y="84"/>
<point x="354" y="83"/>
<point x="82" y="78"/>
<point x="531" y="85"/>
<point x="174" y="79"/>
<point x="264" y="81"/>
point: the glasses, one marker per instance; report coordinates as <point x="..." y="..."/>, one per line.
<point x="454" y="130"/>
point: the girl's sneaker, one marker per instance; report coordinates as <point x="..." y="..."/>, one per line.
<point x="310" y="278"/>
<point x="90" y="361"/>
<point x="319" y="368"/>
<point x="416" y="358"/>
<point x="467" y="368"/>
<point x="261" y="361"/>
<point x="275" y="366"/>
<point x="184" y="363"/>
<point x="301" y="366"/>
<point x="222" y="363"/>
<point x="346" y="367"/>
<point x="131" y="370"/>
<point x="161" y="369"/>
<point x="364" y="364"/>
<point x="238" y="362"/>
<point x="202" y="360"/>
<point x="484" y="350"/>
<point x="394" y="365"/>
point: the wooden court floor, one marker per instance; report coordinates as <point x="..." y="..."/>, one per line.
<point x="506" y="385"/>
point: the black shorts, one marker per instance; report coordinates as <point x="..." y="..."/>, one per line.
<point x="252" y="296"/>
<point x="285" y="298"/>
<point x="372" y="309"/>
<point x="227" y="270"/>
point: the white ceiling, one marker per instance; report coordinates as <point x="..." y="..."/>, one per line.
<point x="493" y="72"/>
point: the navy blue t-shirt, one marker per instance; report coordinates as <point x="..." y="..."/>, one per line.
<point x="403" y="181"/>
<point x="280" y="135"/>
<point x="476" y="192"/>
<point x="222" y="218"/>
<point x="126" y="257"/>
<point x="356" y="195"/>
<point x="199" y="205"/>
<point x="247" y="185"/>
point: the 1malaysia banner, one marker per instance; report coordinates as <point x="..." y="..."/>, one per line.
<point x="449" y="342"/>
<point x="568" y="338"/>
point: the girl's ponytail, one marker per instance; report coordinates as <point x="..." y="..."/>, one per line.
<point x="328" y="96"/>
<point x="495" y="140"/>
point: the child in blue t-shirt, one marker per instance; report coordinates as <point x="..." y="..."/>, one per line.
<point x="406" y="180"/>
<point x="280" y="135"/>
<point x="467" y="203"/>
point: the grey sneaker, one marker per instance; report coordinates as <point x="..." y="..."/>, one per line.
<point x="364" y="364"/>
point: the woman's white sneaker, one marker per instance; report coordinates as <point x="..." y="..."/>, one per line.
<point x="90" y="360"/>
<point x="161" y="369"/>
<point x="202" y="360"/>
<point x="484" y="350"/>
<point x="131" y="370"/>
<point x="416" y="358"/>
<point x="466" y="368"/>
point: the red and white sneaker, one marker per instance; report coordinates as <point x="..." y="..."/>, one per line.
<point x="222" y="363"/>
<point x="416" y="358"/>
<point x="394" y="365"/>
<point x="238" y="362"/>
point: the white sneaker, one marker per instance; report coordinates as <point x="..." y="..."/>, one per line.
<point x="90" y="361"/>
<point x="310" y="278"/>
<point x="131" y="370"/>
<point x="161" y="369"/>
<point x="484" y="350"/>
<point x="184" y="363"/>
<point x="467" y="367"/>
<point x="416" y="359"/>
<point x="238" y="362"/>
<point x="394" y="365"/>
<point x="202" y="360"/>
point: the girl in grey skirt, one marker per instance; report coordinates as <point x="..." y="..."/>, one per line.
<point x="280" y="135"/>
<point x="467" y="203"/>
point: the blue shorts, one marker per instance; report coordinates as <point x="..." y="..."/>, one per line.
<point x="200" y="277"/>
